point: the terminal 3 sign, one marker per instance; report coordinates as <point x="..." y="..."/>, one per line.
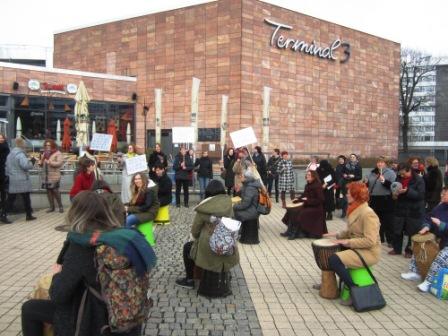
<point x="313" y="49"/>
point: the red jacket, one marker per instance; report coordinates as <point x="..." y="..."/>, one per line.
<point x="83" y="181"/>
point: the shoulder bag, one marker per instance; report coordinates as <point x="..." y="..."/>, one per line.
<point x="369" y="297"/>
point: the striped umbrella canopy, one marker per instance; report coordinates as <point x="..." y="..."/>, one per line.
<point x="82" y="115"/>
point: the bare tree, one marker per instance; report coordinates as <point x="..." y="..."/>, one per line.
<point x="414" y="66"/>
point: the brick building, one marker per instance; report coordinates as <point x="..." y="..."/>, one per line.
<point x="304" y="84"/>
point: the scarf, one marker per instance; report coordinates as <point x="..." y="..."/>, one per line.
<point x="353" y="206"/>
<point x="129" y="243"/>
<point x="405" y="182"/>
<point x="47" y="154"/>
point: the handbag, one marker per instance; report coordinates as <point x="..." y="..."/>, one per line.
<point x="369" y="297"/>
<point x="223" y="239"/>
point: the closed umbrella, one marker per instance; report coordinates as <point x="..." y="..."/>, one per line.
<point x="82" y="116"/>
<point x="128" y="133"/>
<point x="58" y="132"/>
<point x="18" y="127"/>
<point x="66" y="139"/>
<point x="93" y="127"/>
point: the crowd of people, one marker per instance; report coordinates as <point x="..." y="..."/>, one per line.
<point x="393" y="201"/>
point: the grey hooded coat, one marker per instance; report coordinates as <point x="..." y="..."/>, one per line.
<point x="17" y="167"/>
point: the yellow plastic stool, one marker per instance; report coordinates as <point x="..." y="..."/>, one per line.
<point x="148" y="231"/>
<point x="360" y="277"/>
<point x="163" y="215"/>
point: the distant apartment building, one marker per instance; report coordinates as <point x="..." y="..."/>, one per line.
<point x="26" y="54"/>
<point x="428" y="125"/>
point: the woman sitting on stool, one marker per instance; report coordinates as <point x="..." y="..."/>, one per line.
<point x="246" y="211"/>
<point x="144" y="202"/>
<point x="215" y="275"/>
<point x="437" y="222"/>
<point x="362" y="234"/>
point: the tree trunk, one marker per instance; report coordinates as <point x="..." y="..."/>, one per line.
<point x="404" y="131"/>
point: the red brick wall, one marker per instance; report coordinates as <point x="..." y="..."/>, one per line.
<point x="165" y="50"/>
<point x="318" y="105"/>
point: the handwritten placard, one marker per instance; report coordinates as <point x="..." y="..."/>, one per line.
<point x="101" y="142"/>
<point x="136" y="164"/>
<point x="183" y="135"/>
<point x="243" y="137"/>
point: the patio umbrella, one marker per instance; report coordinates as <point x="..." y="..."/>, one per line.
<point x="66" y="140"/>
<point x="127" y="116"/>
<point x="112" y="130"/>
<point x="82" y="115"/>
<point x="128" y="133"/>
<point x="93" y="127"/>
<point x="18" y="128"/>
<point x="58" y="132"/>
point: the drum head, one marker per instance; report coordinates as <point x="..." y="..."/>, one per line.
<point x="421" y="238"/>
<point x="325" y="242"/>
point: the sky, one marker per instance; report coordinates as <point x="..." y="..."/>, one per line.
<point x="417" y="24"/>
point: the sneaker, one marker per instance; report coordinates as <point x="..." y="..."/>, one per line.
<point x="30" y="218"/>
<point x="185" y="283"/>
<point x="424" y="286"/>
<point x="411" y="276"/>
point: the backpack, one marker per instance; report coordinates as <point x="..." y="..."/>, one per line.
<point x="124" y="293"/>
<point x="223" y="239"/>
<point x="264" y="202"/>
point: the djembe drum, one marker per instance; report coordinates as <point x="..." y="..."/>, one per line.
<point x="323" y="249"/>
<point x="425" y="249"/>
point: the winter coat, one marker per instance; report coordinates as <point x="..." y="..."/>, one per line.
<point x="338" y="173"/>
<point x="126" y="179"/>
<point x="182" y="174"/>
<point x="433" y="184"/>
<point x="4" y="151"/>
<point x="165" y="186"/>
<point x="247" y="208"/>
<point x="286" y="175"/>
<point x="352" y="169"/>
<point x="205" y="167"/>
<point x="310" y="217"/>
<point x="238" y="168"/>
<point x="202" y="229"/>
<point x="146" y="207"/>
<point x="67" y="289"/>
<point x="156" y="158"/>
<point x="272" y="166"/>
<point x="323" y="171"/>
<point x="260" y="162"/>
<point x="17" y="167"/>
<point x="83" y="181"/>
<point x="229" y="175"/>
<point x="51" y="172"/>
<point x="440" y="212"/>
<point x="410" y="207"/>
<point x="363" y="232"/>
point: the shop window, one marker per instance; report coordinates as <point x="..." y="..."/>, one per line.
<point x="209" y="134"/>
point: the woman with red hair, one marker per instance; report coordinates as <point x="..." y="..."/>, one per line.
<point x="362" y="234"/>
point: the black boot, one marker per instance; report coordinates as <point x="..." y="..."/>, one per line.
<point x="4" y="219"/>
<point x="30" y="217"/>
<point x="329" y="216"/>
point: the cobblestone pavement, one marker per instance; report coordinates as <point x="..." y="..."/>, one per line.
<point x="272" y="296"/>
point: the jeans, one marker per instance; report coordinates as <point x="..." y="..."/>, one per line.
<point x="26" y="202"/>
<point x="34" y="314"/>
<point x="179" y="185"/>
<point x="131" y="220"/>
<point x="203" y="182"/>
<point x="273" y="181"/>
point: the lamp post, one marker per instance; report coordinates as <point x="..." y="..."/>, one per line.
<point x="145" y="113"/>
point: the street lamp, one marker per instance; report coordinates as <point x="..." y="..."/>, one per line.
<point x="145" y="113"/>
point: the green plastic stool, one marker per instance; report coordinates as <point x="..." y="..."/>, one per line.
<point x="148" y="231"/>
<point x="360" y="277"/>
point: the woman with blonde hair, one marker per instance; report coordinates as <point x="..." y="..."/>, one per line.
<point x="144" y="203"/>
<point x="125" y="178"/>
<point x="51" y="162"/>
<point x="95" y="233"/>
<point x="433" y="183"/>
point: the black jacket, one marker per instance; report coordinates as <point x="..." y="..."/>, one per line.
<point x="433" y="184"/>
<point x="260" y="161"/>
<point x="411" y="204"/>
<point x="156" y="158"/>
<point x="355" y="170"/>
<point x="180" y="173"/>
<point x="165" y="189"/>
<point x="229" y="161"/>
<point x="205" y="167"/>
<point x="4" y="151"/>
<point x="338" y="173"/>
<point x="272" y="166"/>
<point x="67" y="289"/>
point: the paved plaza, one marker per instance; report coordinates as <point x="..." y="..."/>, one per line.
<point x="272" y="290"/>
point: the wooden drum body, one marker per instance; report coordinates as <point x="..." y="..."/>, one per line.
<point x="323" y="249"/>
<point x="425" y="249"/>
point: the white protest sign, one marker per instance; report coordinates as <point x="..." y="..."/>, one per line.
<point x="243" y="137"/>
<point x="136" y="164"/>
<point x="101" y="142"/>
<point x="183" y="135"/>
